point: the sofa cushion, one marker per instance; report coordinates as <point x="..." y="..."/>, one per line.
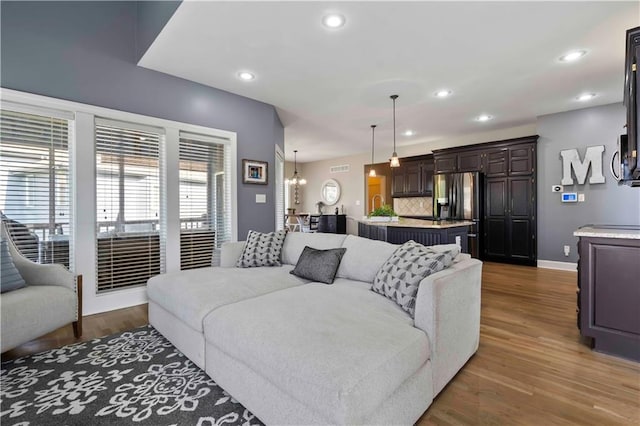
<point x="363" y="258"/>
<point x="398" y="279"/>
<point x="262" y="249"/>
<point x="10" y="278"/>
<point x="341" y="350"/>
<point x="295" y="242"/>
<point x="319" y="265"/>
<point x="190" y="295"/>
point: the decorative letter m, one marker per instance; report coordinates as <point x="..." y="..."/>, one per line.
<point x="571" y="159"/>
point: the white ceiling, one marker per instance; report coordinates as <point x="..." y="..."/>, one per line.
<point x="329" y="86"/>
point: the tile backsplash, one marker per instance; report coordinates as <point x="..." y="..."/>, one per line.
<point x="415" y="206"/>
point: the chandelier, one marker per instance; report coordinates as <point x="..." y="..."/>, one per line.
<point x="296" y="180"/>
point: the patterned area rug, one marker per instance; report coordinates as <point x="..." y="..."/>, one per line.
<point x="134" y="377"/>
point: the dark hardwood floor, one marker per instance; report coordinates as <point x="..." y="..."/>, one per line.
<point x="93" y="326"/>
<point x="532" y="367"/>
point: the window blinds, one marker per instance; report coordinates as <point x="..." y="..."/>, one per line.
<point x="205" y="198"/>
<point x="130" y="246"/>
<point x="279" y="189"/>
<point x="35" y="185"/>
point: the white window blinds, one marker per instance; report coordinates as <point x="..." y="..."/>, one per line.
<point x="35" y="185"/>
<point x="205" y="198"/>
<point x="279" y="189"/>
<point x="130" y="245"/>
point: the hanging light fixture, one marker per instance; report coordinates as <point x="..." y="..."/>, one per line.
<point x="395" y="161"/>
<point x="372" y="171"/>
<point x="296" y="180"/>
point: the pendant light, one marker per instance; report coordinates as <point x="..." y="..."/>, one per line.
<point x="372" y="171"/>
<point x="296" y="180"/>
<point x="395" y="161"/>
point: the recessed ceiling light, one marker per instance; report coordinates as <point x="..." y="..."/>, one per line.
<point x="484" y="117"/>
<point x="574" y="55"/>
<point x="246" y="76"/>
<point x="333" y="20"/>
<point x="586" y="97"/>
<point x="443" y="93"/>
<point x="408" y="133"/>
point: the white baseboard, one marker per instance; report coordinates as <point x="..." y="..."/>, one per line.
<point x="552" y="264"/>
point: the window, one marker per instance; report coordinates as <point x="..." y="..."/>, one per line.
<point x="205" y="198"/>
<point x="35" y="183"/>
<point x="280" y="190"/>
<point x="130" y="247"/>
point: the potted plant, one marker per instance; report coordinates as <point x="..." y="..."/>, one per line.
<point x="383" y="213"/>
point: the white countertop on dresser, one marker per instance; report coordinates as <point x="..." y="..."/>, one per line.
<point x="609" y="231"/>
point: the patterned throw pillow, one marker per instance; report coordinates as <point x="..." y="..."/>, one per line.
<point x="319" y="265"/>
<point x="399" y="277"/>
<point x="262" y="249"/>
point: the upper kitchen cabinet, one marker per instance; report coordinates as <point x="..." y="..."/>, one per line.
<point x="445" y="163"/>
<point x="515" y="160"/>
<point x="470" y="161"/>
<point x="495" y="162"/>
<point x="522" y="159"/>
<point x="463" y="161"/>
<point x="414" y="177"/>
<point x="512" y="157"/>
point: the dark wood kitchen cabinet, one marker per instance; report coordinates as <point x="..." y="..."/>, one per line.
<point x="332" y="223"/>
<point x="509" y="171"/>
<point x="522" y="160"/>
<point x="608" y="291"/>
<point x="509" y="221"/>
<point x="510" y="161"/>
<point x="495" y="162"/>
<point x="414" y="177"/>
<point x="470" y="161"/>
<point x="445" y="163"/>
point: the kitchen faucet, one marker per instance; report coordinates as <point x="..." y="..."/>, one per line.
<point x="373" y="201"/>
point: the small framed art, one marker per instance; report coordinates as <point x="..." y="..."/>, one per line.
<point x="254" y="172"/>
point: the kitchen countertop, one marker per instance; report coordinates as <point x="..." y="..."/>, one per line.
<point x="630" y="232"/>
<point x="420" y="223"/>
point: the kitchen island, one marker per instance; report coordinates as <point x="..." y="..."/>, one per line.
<point x="427" y="232"/>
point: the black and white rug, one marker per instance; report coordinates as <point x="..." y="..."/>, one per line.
<point x="135" y="377"/>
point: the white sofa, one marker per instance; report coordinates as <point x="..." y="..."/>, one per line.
<point x="297" y="352"/>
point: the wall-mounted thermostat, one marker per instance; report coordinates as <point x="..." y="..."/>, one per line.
<point x="569" y="197"/>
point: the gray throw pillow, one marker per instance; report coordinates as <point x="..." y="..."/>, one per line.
<point x="10" y="278"/>
<point x="399" y="277"/>
<point x="319" y="265"/>
<point x="262" y="249"/>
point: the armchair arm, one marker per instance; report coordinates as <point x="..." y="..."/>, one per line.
<point x="41" y="274"/>
<point x="45" y="274"/>
<point x="448" y="310"/>
<point x="229" y="254"/>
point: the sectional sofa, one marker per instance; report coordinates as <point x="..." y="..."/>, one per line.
<point x="298" y="352"/>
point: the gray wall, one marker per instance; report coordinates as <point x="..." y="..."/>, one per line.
<point x="152" y="16"/>
<point x="605" y="203"/>
<point x="86" y="52"/>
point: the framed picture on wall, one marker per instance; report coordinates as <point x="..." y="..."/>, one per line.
<point x="254" y="172"/>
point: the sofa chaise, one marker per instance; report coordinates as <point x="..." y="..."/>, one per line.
<point x="298" y="352"/>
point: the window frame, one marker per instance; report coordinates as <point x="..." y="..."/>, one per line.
<point x="51" y="250"/>
<point x="83" y="196"/>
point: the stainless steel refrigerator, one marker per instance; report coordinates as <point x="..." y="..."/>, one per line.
<point x="458" y="196"/>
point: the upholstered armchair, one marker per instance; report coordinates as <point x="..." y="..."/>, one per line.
<point x="51" y="299"/>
